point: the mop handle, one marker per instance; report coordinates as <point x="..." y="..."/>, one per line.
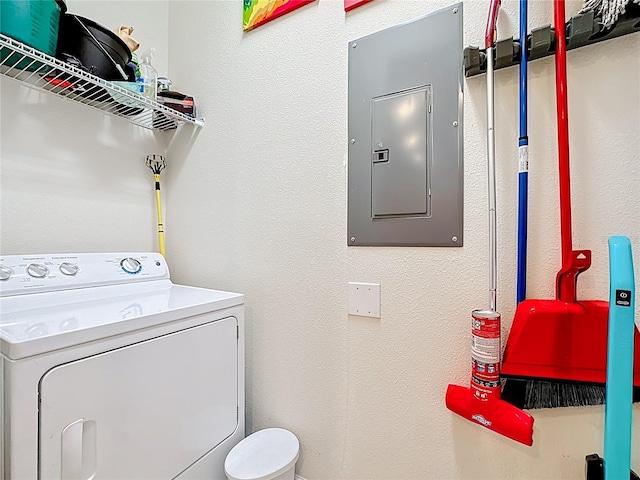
<point x="618" y="405"/>
<point x="524" y="54"/>
<point x="523" y="161"/>
<point x="491" y="153"/>
<point x="156" y="178"/>
<point x="563" y="132"/>
<point x="491" y="171"/>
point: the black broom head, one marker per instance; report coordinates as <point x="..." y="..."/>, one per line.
<point x="530" y="394"/>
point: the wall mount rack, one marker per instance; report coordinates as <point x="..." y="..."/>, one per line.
<point x="39" y="71"/>
<point x="580" y="30"/>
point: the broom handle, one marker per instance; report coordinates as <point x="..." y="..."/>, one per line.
<point x="523" y="162"/>
<point x="563" y="132"/>
<point x="574" y="262"/>
<point x="156" y="178"/>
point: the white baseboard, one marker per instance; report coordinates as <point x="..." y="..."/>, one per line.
<point x="298" y="477"/>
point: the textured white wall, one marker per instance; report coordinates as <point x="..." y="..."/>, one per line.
<point x="259" y="206"/>
<point x="257" y="203"/>
<point x="73" y="179"/>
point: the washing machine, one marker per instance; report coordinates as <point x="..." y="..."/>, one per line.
<point x="111" y="371"/>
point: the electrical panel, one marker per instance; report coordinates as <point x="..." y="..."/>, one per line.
<point x="405" y="134"/>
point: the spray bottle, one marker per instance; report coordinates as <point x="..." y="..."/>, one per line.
<point x="148" y="79"/>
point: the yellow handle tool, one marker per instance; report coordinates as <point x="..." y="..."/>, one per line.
<point x="157" y="163"/>
<point x="156" y="177"/>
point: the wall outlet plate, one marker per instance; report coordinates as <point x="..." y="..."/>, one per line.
<point x="364" y="299"/>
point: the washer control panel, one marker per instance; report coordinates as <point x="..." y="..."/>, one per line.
<point x="43" y="273"/>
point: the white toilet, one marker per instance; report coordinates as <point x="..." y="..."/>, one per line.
<point x="268" y="454"/>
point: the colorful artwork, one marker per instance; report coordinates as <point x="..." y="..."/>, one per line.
<point x="258" y="12"/>
<point x="351" y="4"/>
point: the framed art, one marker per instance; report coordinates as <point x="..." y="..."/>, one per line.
<point x="259" y="12"/>
<point x="351" y="4"/>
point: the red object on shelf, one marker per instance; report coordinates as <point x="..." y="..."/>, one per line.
<point x="58" y="82"/>
<point x="351" y="4"/>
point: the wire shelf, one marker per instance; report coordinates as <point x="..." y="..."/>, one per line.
<point x="42" y="72"/>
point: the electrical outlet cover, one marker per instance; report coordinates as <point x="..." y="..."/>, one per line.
<point x="364" y="299"/>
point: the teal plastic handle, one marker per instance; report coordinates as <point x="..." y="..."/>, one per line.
<point x="619" y="396"/>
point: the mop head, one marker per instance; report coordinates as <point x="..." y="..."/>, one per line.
<point x="607" y="10"/>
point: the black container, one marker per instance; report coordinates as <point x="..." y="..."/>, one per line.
<point x="63" y="6"/>
<point x="96" y="54"/>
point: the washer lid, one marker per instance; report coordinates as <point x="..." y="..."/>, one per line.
<point x="263" y="455"/>
<point x="32" y="324"/>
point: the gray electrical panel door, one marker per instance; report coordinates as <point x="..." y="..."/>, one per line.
<point x="405" y="131"/>
<point x="399" y="129"/>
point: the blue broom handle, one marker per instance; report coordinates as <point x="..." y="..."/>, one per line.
<point x="619" y="396"/>
<point x="523" y="161"/>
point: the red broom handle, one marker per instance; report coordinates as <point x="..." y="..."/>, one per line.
<point x="563" y="132"/>
<point x="490" y="32"/>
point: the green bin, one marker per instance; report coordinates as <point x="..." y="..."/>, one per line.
<point x="32" y="22"/>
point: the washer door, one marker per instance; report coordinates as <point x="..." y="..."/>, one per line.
<point x="146" y="411"/>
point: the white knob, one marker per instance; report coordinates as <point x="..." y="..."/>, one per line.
<point x="5" y="273"/>
<point x="69" y="268"/>
<point x="37" y="270"/>
<point x="130" y="265"/>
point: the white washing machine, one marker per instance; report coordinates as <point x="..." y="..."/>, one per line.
<point x="112" y="372"/>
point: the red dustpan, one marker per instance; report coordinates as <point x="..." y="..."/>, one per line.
<point x="480" y="402"/>
<point x="562" y="340"/>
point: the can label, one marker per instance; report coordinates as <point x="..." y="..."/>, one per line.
<point x="485" y="354"/>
